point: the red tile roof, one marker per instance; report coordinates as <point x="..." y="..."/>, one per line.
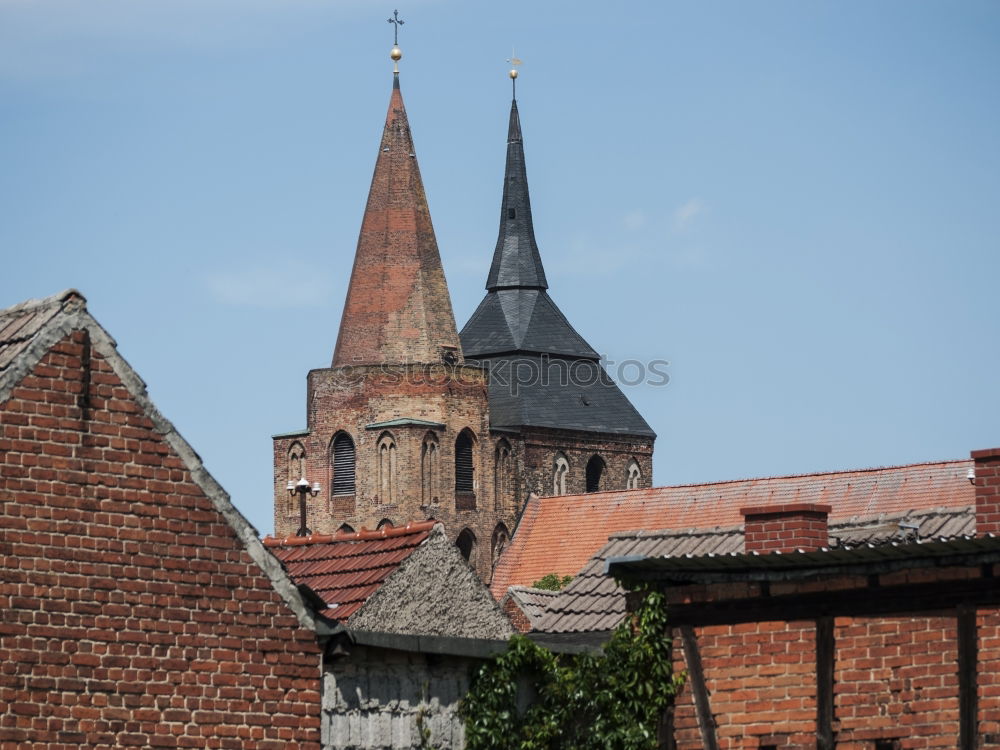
<point x="345" y="569"/>
<point x="559" y="534"/>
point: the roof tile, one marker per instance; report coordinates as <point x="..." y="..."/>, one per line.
<point x="345" y="569"/>
<point x="559" y="534"/>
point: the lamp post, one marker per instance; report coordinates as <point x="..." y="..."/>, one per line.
<point x="302" y="488"/>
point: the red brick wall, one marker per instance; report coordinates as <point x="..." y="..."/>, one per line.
<point x="895" y="678"/>
<point x="987" y="491"/>
<point x="786" y="528"/>
<point x="516" y="615"/>
<point x="130" y="614"/>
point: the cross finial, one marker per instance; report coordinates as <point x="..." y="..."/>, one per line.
<point x="396" y="22"/>
<point x="514" y="61"/>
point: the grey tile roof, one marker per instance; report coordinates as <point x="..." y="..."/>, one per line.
<point x="594" y="602"/>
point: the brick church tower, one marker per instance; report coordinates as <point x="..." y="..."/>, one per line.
<point x="398" y="426"/>
<point x="413" y="422"/>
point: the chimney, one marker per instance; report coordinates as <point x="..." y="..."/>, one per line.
<point x="785" y="528"/>
<point x="987" y="482"/>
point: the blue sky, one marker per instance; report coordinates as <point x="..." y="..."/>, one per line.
<point x="796" y="204"/>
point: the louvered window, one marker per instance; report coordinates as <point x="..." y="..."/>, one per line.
<point x="343" y="465"/>
<point x="463" y="463"/>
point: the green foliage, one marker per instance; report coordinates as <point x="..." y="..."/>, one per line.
<point x="551" y="582"/>
<point x="611" y="701"/>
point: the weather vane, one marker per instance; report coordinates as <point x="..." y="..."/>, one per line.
<point x="514" y="61"/>
<point x="396" y="54"/>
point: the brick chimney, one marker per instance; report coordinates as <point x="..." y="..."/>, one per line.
<point x="987" y="483"/>
<point x="785" y="528"/>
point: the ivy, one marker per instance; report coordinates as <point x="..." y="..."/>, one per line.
<point x="551" y="582"/>
<point x="531" y="699"/>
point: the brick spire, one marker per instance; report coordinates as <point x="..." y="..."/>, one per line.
<point x="397" y="308"/>
<point x="516" y="262"/>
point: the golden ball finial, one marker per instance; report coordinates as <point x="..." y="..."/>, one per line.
<point x="513" y="73"/>
<point x="396" y="53"/>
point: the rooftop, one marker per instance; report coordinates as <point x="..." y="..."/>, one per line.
<point x="345" y="569"/>
<point x="594" y="602"/>
<point x="560" y="534"/>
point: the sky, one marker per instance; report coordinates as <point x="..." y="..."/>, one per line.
<point x="795" y="204"/>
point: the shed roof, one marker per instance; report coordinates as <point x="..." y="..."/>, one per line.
<point x="593" y="601"/>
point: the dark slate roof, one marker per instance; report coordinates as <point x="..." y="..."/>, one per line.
<point x="594" y="602"/>
<point x="521" y="320"/>
<point x="517" y="328"/>
<point x="539" y="391"/>
<point x="516" y="262"/>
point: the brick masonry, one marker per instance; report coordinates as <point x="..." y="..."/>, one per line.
<point x="132" y="614"/>
<point x="895" y="677"/>
<point x="987" y="480"/>
<point x="786" y="528"/>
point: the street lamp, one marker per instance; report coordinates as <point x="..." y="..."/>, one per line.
<point x="302" y="488"/>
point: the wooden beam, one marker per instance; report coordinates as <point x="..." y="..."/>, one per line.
<point x="853" y="602"/>
<point x="825" y="659"/>
<point x="968" y="703"/>
<point x="696" y="677"/>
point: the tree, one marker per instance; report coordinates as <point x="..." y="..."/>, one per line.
<point x="531" y="699"/>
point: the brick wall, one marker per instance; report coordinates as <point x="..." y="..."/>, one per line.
<point x="785" y="528"/>
<point x="894" y="678"/>
<point x="131" y="613"/>
<point x="987" y="491"/>
<point x="516" y="615"/>
<point x="541" y="446"/>
<point x="348" y="399"/>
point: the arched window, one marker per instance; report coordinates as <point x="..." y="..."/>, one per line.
<point x="503" y="475"/>
<point x="595" y="471"/>
<point x="385" y="523"/>
<point x="560" y="469"/>
<point x="345" y="528"/>
<point x="296" y="470"/>
<point x="632" y="475"/>
<point x="499" y="542"/>
<point x="386" y="468"/>
<point x="464" y="469"/>
<point x="466" y="543"/>
<point x="342" y="461"/>
<point x="429" y="470"/>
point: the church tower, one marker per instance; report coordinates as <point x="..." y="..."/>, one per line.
<point x="398" y="427"/>
<point x="569" y="426"/>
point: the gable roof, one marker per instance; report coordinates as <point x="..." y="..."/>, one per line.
<point x="559" y="534"/>
<point x="30" y="329"/>
<point x="345" y="569"/>
<point x="594" y="602"/>
<point x="531" y="601"/>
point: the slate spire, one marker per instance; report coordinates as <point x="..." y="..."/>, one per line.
<point x="516" y="262"/>
<point x="398" y="309"/>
